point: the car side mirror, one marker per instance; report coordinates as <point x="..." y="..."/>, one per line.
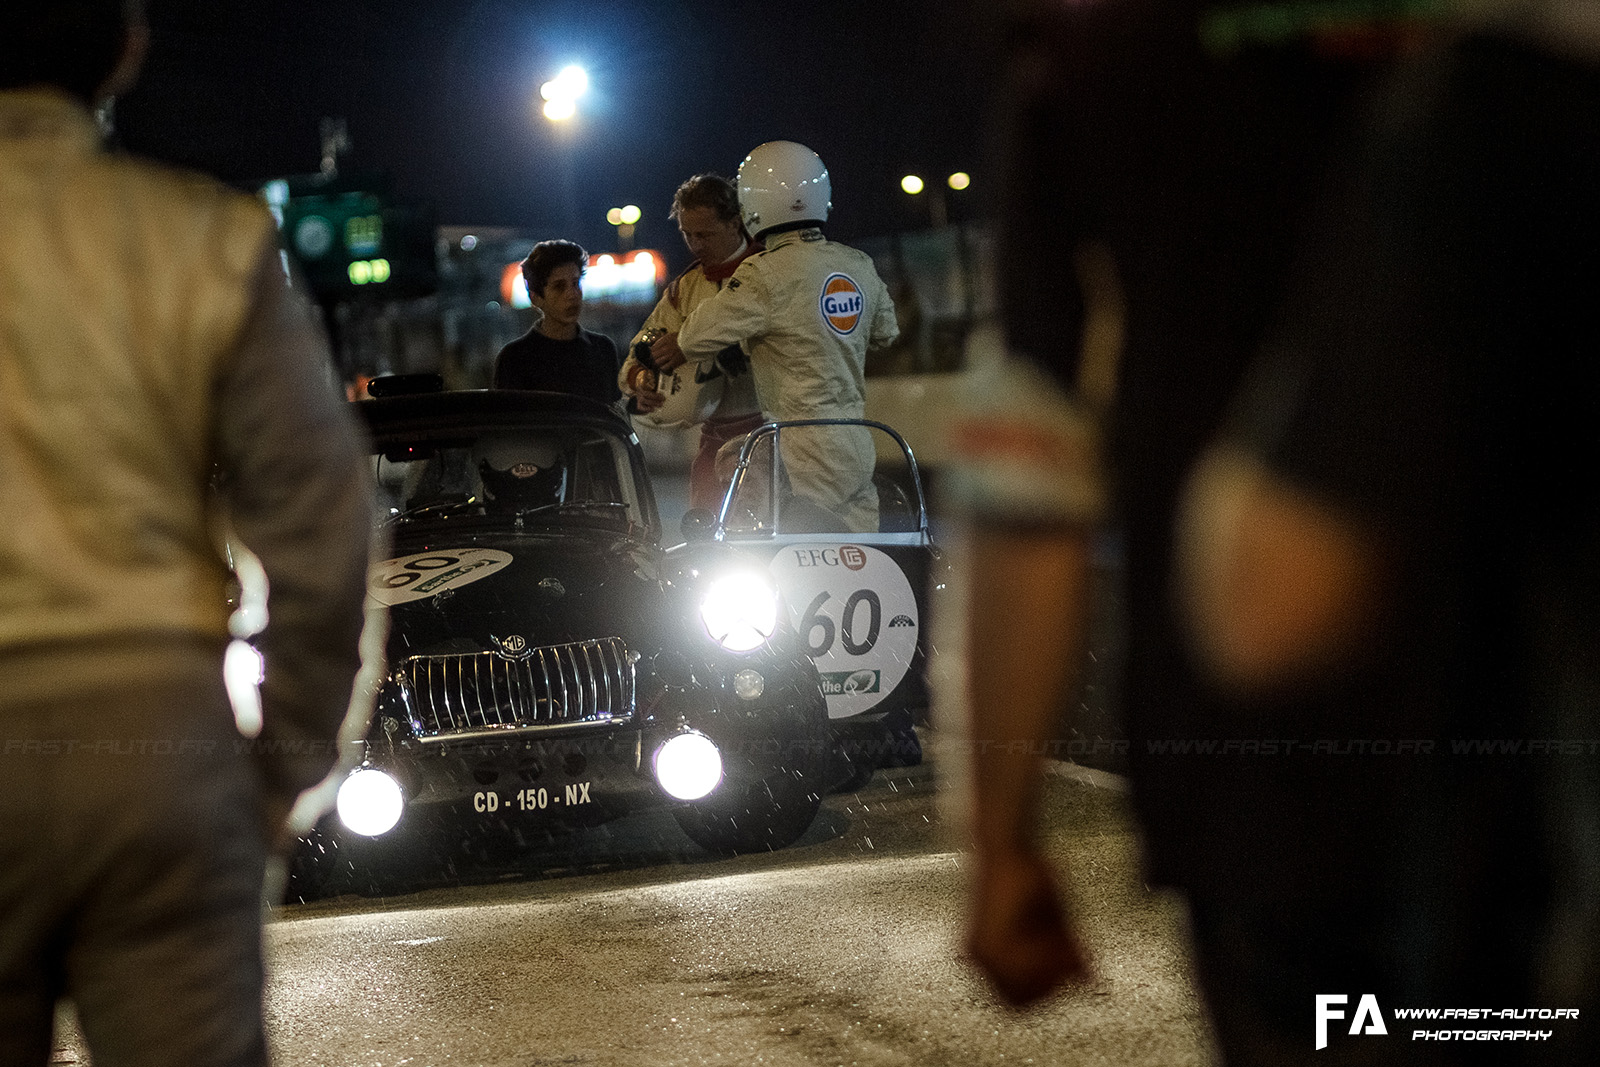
<point x="697" y="524"/>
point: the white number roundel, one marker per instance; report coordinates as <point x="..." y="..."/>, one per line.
<point x="856" y="617"/>
<point x="425" y="574"/>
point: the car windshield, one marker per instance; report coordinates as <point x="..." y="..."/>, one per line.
<point x="518" y="475"/>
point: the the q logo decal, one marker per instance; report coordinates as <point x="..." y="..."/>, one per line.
<point x="842" y="304"/>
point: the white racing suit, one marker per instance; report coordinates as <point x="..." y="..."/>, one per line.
<point x="807" y="310"/>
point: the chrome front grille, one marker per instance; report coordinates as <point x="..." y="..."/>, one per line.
<point x="486" y="692"/>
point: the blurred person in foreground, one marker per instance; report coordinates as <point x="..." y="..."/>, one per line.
<point x="807" y="310"/>
<point x="558" y="354"/>
<point x="706" y="208"/>
<point x="1170" y="154"/>
<point x="1402" y="497"/>
<point x="149" y="336"/>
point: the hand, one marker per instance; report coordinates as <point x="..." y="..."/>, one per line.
<point x="1019" y="934"/>
<point x="647" y="401"/>
<point x="666" y="353"/>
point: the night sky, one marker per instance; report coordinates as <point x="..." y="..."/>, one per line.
<point x="441" y="94"/>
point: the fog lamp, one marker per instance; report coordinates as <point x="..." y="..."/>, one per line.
<point x="688" y="766"/>
<point x="370" y="802"/>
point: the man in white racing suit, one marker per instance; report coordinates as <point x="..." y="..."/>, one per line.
<point x="807" y="310"/>
<point x="706" y="208"/>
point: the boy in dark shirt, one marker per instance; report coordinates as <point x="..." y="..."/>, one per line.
<point x="558" y="355"/>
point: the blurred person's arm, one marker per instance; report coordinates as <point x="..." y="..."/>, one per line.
<point x="1277" y="586"/>
<point x="300" y="498"/>
<point x="1024" y="489"/>
<point x="1019" y="931"/>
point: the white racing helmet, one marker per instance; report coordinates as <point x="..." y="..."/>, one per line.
<point x="782" y="182"/>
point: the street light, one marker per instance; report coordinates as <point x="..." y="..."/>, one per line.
<point x="561" y="104"/>
<point x="938" y="208"/>
<point x="624" y="219"/>
<point x="560" y="94"/>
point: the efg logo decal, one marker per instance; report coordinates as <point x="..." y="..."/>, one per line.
<point x="842" y="304"/>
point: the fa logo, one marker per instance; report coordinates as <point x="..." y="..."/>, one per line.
<point x="1366" y="1010"/>
<point x="841" y="304"/>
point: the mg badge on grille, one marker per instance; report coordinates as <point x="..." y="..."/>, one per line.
<point x="513" y="646"/>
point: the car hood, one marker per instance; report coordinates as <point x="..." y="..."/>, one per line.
<point x="544" y="589"/>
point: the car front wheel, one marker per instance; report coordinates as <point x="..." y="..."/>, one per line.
<point x="762" y="816"/>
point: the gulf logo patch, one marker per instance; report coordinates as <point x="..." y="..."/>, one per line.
<point x="842" y="304"/>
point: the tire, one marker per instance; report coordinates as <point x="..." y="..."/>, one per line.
<point x="764" y="816"/>
<point x="850" y="769"/>
<point x="320" y="867"/>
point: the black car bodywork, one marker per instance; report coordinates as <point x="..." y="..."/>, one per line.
<point x="543" y="647"/>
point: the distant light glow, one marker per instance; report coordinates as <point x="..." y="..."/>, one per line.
<point x="572" y="82"/>
<point x="614" y="216"/>
<point x="960" y="180"/>
<point x="633" y="278"/>
<point x="630" y="214"/>
<point x="911" y="184"/>
<point x="514" y="287"/>
<point x="369" y="271"/>
<point x="469" y="242"/>
<point x="561" y="93"/>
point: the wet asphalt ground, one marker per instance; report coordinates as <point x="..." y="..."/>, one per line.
<point x="629" y="947"/>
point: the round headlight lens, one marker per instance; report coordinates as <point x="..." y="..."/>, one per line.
<point x="688" y="766"/>
<point x="740" y="611"/>
<point x="370" y="802"/>
<point x="749" y="684"/>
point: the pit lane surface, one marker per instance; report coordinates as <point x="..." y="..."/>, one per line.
<point x="634" y="948"/>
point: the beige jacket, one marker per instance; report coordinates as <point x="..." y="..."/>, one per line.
<point x="687" y="292"/>
<point x="808" y="310"/>
<point x="148" y="336"/>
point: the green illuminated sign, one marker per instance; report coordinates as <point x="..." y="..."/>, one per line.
<point x="369" y="271"/>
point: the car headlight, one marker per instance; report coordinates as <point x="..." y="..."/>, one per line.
<point x="688" y="766"/>
<point x="370" y="802"/>
<point x="740" y="611"/>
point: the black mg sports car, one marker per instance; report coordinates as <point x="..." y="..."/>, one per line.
<point x="548" y="664"/>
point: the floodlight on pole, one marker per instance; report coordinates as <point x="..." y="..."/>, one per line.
<point x="560" y="94"/>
